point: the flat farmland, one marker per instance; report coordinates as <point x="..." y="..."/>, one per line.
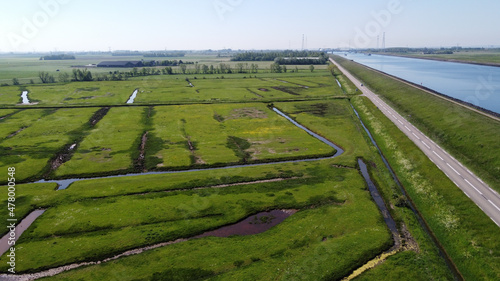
<point x="191" y="142"/>
<point x="31" y="138"/>
<point x="110" y="146"/>
<point x="82" y="93"/>
<point x="10" y="95"/>
<point x="246" y="133"/>
<point x="335" y="214"/>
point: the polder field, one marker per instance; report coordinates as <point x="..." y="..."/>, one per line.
<point x="147" y="190"/>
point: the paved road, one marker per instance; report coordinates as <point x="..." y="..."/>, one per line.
<point x="486" y="198"/>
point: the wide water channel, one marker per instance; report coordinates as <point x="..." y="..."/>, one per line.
<point x="475" y="84"/>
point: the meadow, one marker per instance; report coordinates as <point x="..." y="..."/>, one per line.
<point x="183" y="136"/>
<point x="90" y="227"/>
<point x="217" y="121"/>
<point x="29" y="139"/>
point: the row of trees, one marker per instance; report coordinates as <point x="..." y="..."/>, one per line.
<point x="271" y="56"/>
<point x="222" y="68"/>
<point x="58" y="57"/>
<point x="278" y="68"/>
<point x="164" y="54"/>
<point x="301" y="61"/>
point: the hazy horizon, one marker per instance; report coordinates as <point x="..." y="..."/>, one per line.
<point x="71" y="25"/>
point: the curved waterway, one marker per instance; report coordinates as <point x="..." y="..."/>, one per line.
<point x="63" y="184"/>
<point x="475" y="84"/>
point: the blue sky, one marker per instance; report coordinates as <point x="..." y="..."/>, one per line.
<point x="77" y="25"/>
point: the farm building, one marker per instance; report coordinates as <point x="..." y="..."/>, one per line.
<point x="120" y="64"/>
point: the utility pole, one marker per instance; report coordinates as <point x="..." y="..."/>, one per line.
<point x="383" y="43"/>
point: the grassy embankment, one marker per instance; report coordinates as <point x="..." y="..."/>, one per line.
<point x="466" y="233"/>
<point x="487" y="57"/>
<point x="469" y="136"/>
<point x="336" y="121"/>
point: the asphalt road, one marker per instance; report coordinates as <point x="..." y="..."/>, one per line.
<point x="485" y="198"/>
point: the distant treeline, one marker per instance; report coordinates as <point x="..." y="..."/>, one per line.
<point x="169" y="63"/>
<point x="301" y="61"/>
<point x="438" y="51"/>
<point x="58" y="57"/>
<point x="149" y="54"/>
<point x="165" y="55"/>
<point x="272" y="56"/>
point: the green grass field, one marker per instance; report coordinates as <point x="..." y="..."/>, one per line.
<point x="91" y="227"/>
<point x="31" y="138"/>
<point x="110" y="147"/>
<point x="217" y="122"/>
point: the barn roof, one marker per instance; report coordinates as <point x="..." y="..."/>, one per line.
<point x="119" y="64"/>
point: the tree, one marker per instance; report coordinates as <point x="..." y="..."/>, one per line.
<point x="63" y="77"/>
<point x="46" y="77"/>
<point x="197" y="68"/>
<point x="239" y="67"/>
<point x="205" y="69"/>
<point x="84" y="75"/>
<point x="276" y="68"/>
<point x="311" y="68"/>
<point x="254" y="67"/>
<point x="15" y="81"/>
<point x="183" y="68"/>
<point x="331" y="68"/>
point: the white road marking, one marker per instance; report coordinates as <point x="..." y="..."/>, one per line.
<point x="416" y="136"/>
<point x="400" y="122"/>
<point x="494" y="191"/>
<point x="494" y="205"/>
<point x="407" y="128"/>
<point x="473" y="186"/>
<point x="426" y="145"/>
<point x="453" y="169"/>
<point x="438" y="155"/>
<point x="467" y="194"/>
